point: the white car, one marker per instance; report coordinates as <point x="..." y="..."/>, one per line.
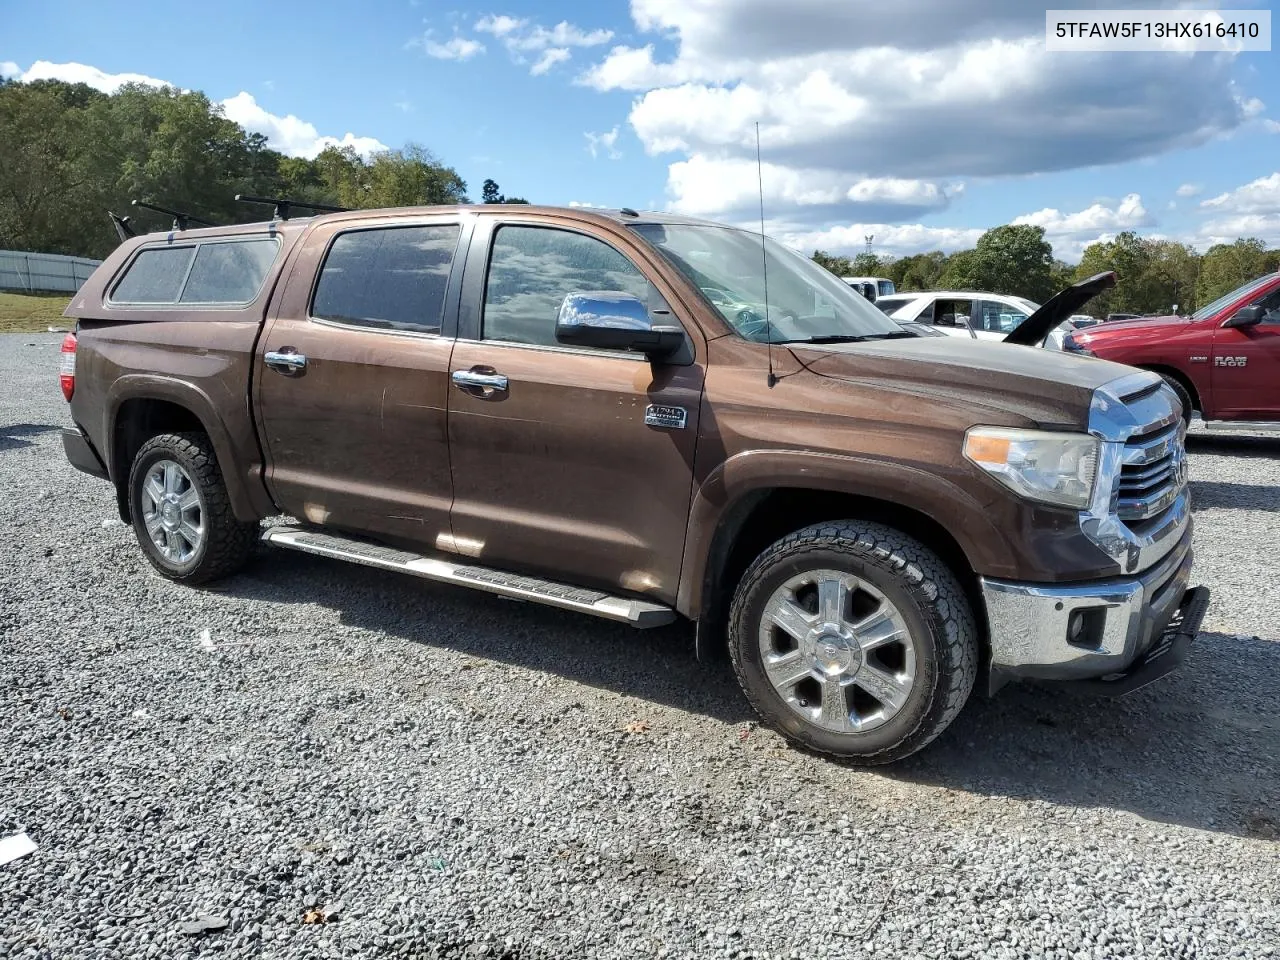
<point x="966" y="313"/>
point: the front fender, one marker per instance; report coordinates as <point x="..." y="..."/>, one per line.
<point x="965" y="517"/>
<point x="249" y="500"/>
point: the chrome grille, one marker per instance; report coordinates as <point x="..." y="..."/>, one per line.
<point x="1152" y="473"/>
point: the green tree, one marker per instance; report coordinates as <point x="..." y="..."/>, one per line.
<point x="920" y="271"/>
<point x="492" y="193"/>
<point x="961" y="272"/>
<point x="1226" y="266"/>
<point x="867" y="265"/>
<point x="1015" y="259"/>
<point x="840" y="266"/>
<point x="68" y="153"/>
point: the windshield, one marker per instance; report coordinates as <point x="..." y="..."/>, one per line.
<point x="887" y="288"/>
<point x="805" y="301"/>
<point x="892" y="304"/>
<point x="1208" y="310"/>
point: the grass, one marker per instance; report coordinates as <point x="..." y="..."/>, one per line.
<point x="28" y="313"/>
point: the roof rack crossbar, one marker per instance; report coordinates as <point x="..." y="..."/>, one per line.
<point x="181" y="221"/>
<point x="284" y="208"/>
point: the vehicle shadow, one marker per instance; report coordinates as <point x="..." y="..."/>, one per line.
<point x="1141" y="754"/>
<point x="15" y="437"/>
<point x="1241" y="445"/>
<point x="1196" y="748"/>
<point x="1233" y="496"/>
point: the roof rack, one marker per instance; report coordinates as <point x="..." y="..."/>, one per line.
<point x="181" y="221"/>
<point x="284" y="208"/>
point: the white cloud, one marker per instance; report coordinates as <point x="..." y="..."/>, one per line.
<point x="550" y="57"/>
<point x="925" y="92"/>
<point x="289" y="134"/>
<point x="705" y="186"/>
<point x="455" y="48"/>
<point x="1265" y="227"/>
<point x="891" y="239"/>
<point x="79" y="73"/>
<point x="522" y="36"/>
<point x="1129" y="214"/>
<point x="1189" y="190"/>
<point x="9" y="69"/>
<point x="1271" y="126"/>
<point x="589" y="206"/>
<point x="1261" y="196"/>
<point x="500" y="25"/>
<point x="607" y="142"/>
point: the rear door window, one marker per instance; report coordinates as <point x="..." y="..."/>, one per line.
<point x="391" y="278"/>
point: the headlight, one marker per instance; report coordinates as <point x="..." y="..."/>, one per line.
<point x="1057" y="468"/>
<point x="1071" y="345"/>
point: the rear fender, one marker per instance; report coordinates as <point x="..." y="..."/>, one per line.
<point x="243" y="477"/>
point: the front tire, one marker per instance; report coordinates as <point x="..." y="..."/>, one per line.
<point x="854" y="639"/>
<point x="1184" y="397"/>
<point x="181" y="511"/>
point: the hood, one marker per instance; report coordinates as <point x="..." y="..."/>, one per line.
<point x="1138" y="323"/>
<point x="1060" y="306"/>
<point x="1032" y="387"/>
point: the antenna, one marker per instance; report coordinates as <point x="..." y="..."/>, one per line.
<point x="764" y="263"/>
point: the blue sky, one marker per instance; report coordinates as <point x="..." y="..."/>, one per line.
<point x="921" y="122"/>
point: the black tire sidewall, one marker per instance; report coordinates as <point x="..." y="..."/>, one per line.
<point x="148" y="457"/>
<point x="910" y="603"/>
<point x="1183" y="396"/>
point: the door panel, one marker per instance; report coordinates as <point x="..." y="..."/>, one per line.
<point x="1246" y="366"/>
<point x="560" y="474"/>
<point x="557" y="472"/>
<point x="355" y="433"/>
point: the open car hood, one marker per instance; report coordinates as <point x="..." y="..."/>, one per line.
<point x="1060" y="306"/>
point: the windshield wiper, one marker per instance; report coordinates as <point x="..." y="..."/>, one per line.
<point x="850" y="337"/>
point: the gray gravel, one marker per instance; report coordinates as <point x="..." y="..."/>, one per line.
<point x="440" y="773"/>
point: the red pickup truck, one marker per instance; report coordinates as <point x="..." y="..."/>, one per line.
<point x="1223" y="360"/>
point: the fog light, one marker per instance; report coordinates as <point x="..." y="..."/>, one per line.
<point x="1084" y="627"/>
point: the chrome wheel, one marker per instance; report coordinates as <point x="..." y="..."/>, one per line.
<point x="837" y="651"/>
<point x="172" y="511"/>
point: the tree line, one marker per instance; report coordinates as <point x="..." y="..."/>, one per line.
<point x="1151" y="275"/>
<point x="71" y="153"/>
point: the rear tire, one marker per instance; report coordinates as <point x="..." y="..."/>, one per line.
<point x="879" y="651"/>
<point x="181" y="511"/>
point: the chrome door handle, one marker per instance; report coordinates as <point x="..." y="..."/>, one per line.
<point x="469" y="378"/>
<point x="285" y="362"/>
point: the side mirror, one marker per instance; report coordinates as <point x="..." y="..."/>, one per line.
<point x="613" y="320"/>
<point x="1246" y="317"/>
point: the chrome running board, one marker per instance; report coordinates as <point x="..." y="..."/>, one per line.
<point x="1231" y="426"/>
<point x="638" y="613"/>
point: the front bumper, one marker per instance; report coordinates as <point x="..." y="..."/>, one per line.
<point x="1090" y="630"/>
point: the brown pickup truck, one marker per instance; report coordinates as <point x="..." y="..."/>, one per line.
<point x="642" y="416"/>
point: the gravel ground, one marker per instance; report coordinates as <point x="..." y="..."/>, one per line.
<point x="440" y="773"/>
